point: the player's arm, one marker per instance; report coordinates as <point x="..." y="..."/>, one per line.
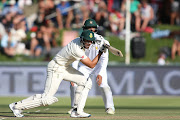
<point x="59" y="18"/>
<point x="102" y="68"/>
<point x="103" y="63"/>
<point x="92" y="63"/>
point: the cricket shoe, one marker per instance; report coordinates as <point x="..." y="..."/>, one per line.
<point x="70" y="111"/>
<point x="16" y="112"/>
<point x="110" y="111"/>
<point x="74" y="114"/>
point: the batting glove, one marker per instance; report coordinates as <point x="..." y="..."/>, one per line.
<point x="103" y="49"/>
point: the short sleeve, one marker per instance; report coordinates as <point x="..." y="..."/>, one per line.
<point x="79" y="54"/>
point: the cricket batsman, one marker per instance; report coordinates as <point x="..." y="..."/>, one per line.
<point x="58" y="69"/>
<point x="99" y="71"/>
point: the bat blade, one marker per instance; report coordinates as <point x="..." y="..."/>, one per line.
<point x="114" y="50"/>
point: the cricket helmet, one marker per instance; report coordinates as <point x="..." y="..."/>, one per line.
<point x="87" y="35"/>
<point x="90" y="23"/>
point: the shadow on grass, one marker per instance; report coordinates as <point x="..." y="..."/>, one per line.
<point x="3" y="114"/>
<point x="102" y="107"/>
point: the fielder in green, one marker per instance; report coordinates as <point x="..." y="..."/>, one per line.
<point x="58" y="69"/>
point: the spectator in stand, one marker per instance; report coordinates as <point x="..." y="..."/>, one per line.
<point x="110" y="5"/>
<point x="92" y="6"/>
<point x="40" y="20"/>
<point x="18" y="34"/>
<point x="50" y="25"/>
<point x="19" y="28"/>
<point x="116" y="4"/>
<point x="7" y="45"/>
<point x="175" y="47"/>
<point x="50" y="12"/>
<point x="10" y="13"/>
<point x="165" y="13"/>
<point x="46" y="22"/>
<point x="155" y="4"/>
<point x="117" y="21"/>
<point x="20" y="20"/>
<point x="48" y="34"/>
<point x="81" y="13"/>
<point x="12" y="8"/>
<point x="175" y="9"/>
<point x="40" y="42"/>
<point x="64" y="14"/>
<point x="99" y="12"/>
<point x="157" y="7"/>
<point x="101" y="16"/>
<point x="147" y="14"/>
<point x="3" y="3"/>
<point x="85" y="10"/>
<point x="37" y="43"/>
<point x="23" y="3"/>
<point x="2" y="29"/>
<point x="161" y="59"/>
<point x="7" y="21"/>
<point x="135" y="12"/>
<point x="123" y="8"/>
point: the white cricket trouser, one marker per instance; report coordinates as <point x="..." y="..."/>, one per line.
<point x="55" y="74"/>
<point x="104" y="87"/>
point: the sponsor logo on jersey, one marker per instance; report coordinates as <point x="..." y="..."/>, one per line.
<point x="82" y="56"/>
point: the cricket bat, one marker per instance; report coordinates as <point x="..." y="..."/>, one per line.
<point x="114" y="50"/>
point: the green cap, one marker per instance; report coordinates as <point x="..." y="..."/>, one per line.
<point x="87" y="35"/>
<point x="90" y="23"/>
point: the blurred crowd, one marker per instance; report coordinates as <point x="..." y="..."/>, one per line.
<point x="31" y="27"/>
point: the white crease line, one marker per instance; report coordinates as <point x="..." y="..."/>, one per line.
<point x="46" y="109"/>
<point x="26" y="113"/>
<point x="35" y="111"/>
<point x="38" y="111"/>
<point x="2" y="118"/>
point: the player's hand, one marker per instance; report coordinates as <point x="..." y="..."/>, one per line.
<point x="72" y="84"/>
<point x="103" y="48"/>
<point x="99" y="80"/>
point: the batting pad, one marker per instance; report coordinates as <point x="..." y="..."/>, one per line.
<point x="82" y="100"/>
<point x="49" y="100"/>
<point x="83" y="96"/>
<point x="35" y="102"/>
<point x="77" y="94"/>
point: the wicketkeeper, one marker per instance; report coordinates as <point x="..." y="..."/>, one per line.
<point x="99" y="71"/>
<point x="60" y="69"/>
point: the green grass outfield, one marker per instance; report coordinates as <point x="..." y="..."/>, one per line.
<point x="127" y="108"/>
